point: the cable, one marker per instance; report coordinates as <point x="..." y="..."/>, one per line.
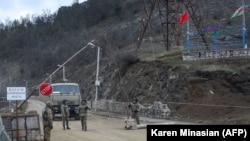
<point x="208" y="105"/>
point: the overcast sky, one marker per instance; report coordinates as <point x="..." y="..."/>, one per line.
<point x="15" y="9"/>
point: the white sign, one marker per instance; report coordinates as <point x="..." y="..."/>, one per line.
<point x="97" y="83"/>
<point x="16" y="93"/>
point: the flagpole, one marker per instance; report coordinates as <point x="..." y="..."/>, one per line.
<point x="244" y="27"/>
<point x="188" y="43"/>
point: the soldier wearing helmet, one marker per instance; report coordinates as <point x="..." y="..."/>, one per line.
<point x="83" y="111"/>
<point x="135" y="107"/>
<point x="65" y="114"/>
<point x="47" y="120"/>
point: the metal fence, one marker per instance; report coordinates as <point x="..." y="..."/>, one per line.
<point x="217" y="37"/>
<point x="206" y="55"/>
<point x="155" y="110"/>
<point x="3" y="99"/>
<point x="3" y="134"/>
<point x="24" y="127"/>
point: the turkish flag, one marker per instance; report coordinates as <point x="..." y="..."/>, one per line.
<point x="183" y="18"/>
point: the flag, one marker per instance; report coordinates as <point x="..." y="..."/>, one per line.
<point x="183" y="18"/>
<point x="238" y="12"/>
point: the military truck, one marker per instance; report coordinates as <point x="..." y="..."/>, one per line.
<point x="64" y="91"/>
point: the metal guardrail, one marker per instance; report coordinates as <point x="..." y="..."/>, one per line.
<point x="3" y="134"/>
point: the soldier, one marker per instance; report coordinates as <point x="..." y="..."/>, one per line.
<point x="47" y="120"/>
<point x="135" y="107"/>
<point x="65" y="114"/>
<point x="83" y="109"/>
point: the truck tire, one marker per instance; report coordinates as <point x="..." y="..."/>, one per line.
<point x="77" y="117"/>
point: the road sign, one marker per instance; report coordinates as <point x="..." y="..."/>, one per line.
<point x="45" y="89"/>
<point x="16" y="93"/>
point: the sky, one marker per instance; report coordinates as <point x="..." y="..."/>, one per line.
<point x="15" y="9"/>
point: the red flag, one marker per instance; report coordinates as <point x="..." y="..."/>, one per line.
<point x="183" y="18"/>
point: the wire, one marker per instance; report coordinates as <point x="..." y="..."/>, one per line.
<point x="208" y="105"/>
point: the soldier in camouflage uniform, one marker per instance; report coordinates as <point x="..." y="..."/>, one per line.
<point x="135" y="107"/>
<point x="65" y="114"/>
<point x="83" y="109"/>
<point x="47" y="120"/>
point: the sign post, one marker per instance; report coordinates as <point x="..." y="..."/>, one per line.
<point x="16" y="93"/>
<point x="45" y="89"/>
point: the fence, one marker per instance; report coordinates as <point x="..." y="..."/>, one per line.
<point x="154" y="110"/>
<point x="205" y="55"/>
<point x="22" y="127"/>
<point x="3" y="99"/>
<point x="217" y="37"/>
<point x="3" y="134"/>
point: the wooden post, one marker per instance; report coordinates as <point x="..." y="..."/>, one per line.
<point x="17" y="132"/>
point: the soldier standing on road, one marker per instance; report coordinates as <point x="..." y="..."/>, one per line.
<point x="135" y="107"/>
<point x="83" y="111"/>
<point x="47" y="120"/>
<point x="65" y="114"/>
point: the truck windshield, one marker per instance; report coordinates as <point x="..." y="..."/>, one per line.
<point x="66" y="89"/>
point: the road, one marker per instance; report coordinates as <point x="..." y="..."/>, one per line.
<point x="99" y="128"/>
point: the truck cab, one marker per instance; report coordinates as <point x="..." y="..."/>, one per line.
<point x="64" y="91"/>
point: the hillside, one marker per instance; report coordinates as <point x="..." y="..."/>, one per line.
<point x="213" y="91"/>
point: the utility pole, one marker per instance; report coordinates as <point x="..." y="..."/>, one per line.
<point x="63" y="67"/>
<point x="97" y="81"/>
<point x="26" y="85"/>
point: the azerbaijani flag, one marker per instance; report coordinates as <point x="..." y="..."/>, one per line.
<point x="238" y="12"/>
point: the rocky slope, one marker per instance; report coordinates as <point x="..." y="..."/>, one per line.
<point x="210" y="91"/>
